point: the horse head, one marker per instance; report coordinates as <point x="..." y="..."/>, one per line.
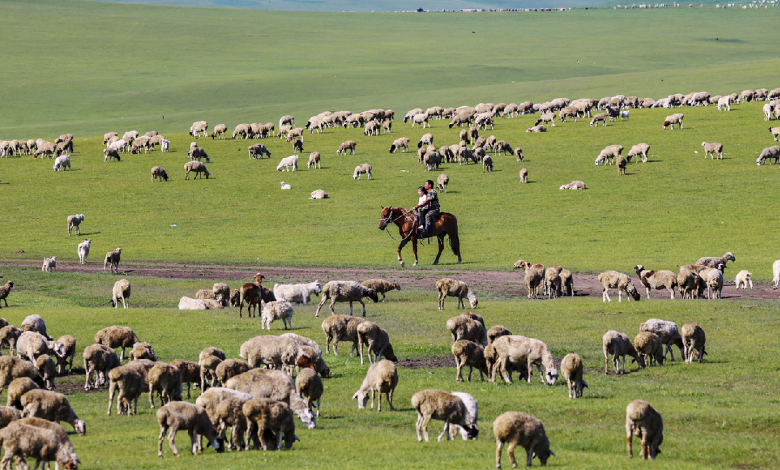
<point x="385" y="217"/>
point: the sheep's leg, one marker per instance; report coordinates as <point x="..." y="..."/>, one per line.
<point x="445" y="431"/>
<point x="361" y="303"/>
<point x="470" y="370"/>
<point x="417" y="426"/>
<point x="499" y="448"/>
<point x="389" y="398"/>
<point x="372" y="396"/>
<point x="425" y="421"/>
<point x="163" y="429"/>
<point x="151" y="397"/>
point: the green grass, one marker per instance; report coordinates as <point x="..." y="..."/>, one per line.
<point x="720" y="414"/>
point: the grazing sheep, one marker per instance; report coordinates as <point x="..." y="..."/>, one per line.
<point x="158" y="172"/>
<point x="442" y="181"/>
<point x="693" y="340"/>
<point x="600" y="117"/>
<point x="345" y="146"/>
<point x="534" y="276"/>
<point x="436" y="404"/>
<point x="142" y="351"/>
<point x="112" y="258"/>
<point x="199" y="127"/>
<point x="382" y="377"/>
<point x="52" y="406"/>
<point x="271" y="417"/>
<point x="16" y="389"/>
<point x="32" y="344"/>
<point x="380" y="286"/>
<point x="775" y="132"/>
<point x="229" y="368"/>
<point x="65" y="362"/>
<point x="107" y="136"/>
<point x="637" y="150"/>
<point x="45" y="445"/>
<point x="487" y="163"/>
<point x="468" y="326"/>
<point x="110" y="153"/>
<point x="35" y="323"/>
<point x="676" y="118"/>
<point x="271" y="351"/>
<point x="48" y="370"/>
<point x="116" y="337"/>
<point x="618" y="344"/>
<point x="121" y="292"/>
<point x="318" y="194"/>
<point x="345" y="291"/>
<point x="609" y="154"/>
<point x="364" y="169"/>
<point x="219" y="130"/>
<point x="258" y="149"/>
<point x="74" y="221"/>
<point x="642" y="420"/>
<point x="314" y="160"/>
<point x="130" y="384"/>
<point x="377" y="340"/>
<point x="713" y="280"/>
<point x="101" y="360"/>
<point x="514" y="351"/>
<point x="280" y="309"/>
<point x="742" y="279"/>
<point x="574" y="185"/>
<point x="309" y="385"/>
<point x="649" y="345"/>
<point x="711" y="149"/>
<point x="243" y="130"/>
<point x="524" y="430"/>
<point x="724" y="101"/>
<point x="196" y="167"/>
<point x="287" y="162"/>
<point x="619" y="281"/>
<point x="402" y="142"/>
<point x="457" y="289"/>
<point x="166" y="380"/>
<point x="12" y="368"/>
<point x="621" y="164"/>
<point x="49" y="265"/>
<point x="341" y="328"/>
<point x="656" y="279"/>
<point x="667" y="332"/>
<point x="471" y="354"/>
<point x="571" y="369"/>
<point x="193" y="418"/>
<point x="769" y="153"/>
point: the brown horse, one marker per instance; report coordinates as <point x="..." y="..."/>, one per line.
<point x="446" y="224"/>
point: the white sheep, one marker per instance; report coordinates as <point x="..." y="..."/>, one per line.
<point x="666" y="331"/>
<point x="713" y="148"/>
<point x="61" y="162"/>
<point x="49" y="265"/>
<point x="457" y="289"/>
<point x="673" y="119"/>
<point x="382" y="377"/>
<point x="45" y="445"/>
<point x="437" y="404"/>
<point x="121" y="291"/>
<point x="524" y="430"/>
<point x="573" y="185"/>
<point x="287" y="162"/>
<point x="713" y="279"/>
<point x="619" y="281"/>
<point x="285" y="185"/>
<point x="618" y="344"/>
<point x="571" y="369"/>
<point x="298" y="293"/>
<point x="74" y="221"/>
<point x="656" y="279"/>
<point x="724" y="101"/>
<point x="364" y="169"/>
<point x="276" y="310"/>
<point x="743" y="278"/>
<point x="515" y="351"/>
<point x="769" y="153"/>
<point x="318" y="194"/>
<point x="637" y="150"/>
<point x="345" y="291"/>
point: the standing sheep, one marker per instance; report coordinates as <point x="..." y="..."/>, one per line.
<point x="676" y="118"/>
<point x="436" y="404"/>
<point x="713" y="148"/>
<point x="442" y="181"/>
<point x="345" y="146"/>
<point x="656" y="279"/>
<point x="381" y="286"/>
<point x="523" y="175"/>
<point x="45" y="445"/>
<point x="457" y="289"/>
<point x="619" y="281"/>
<point x="101" y="360"/>
<point x="345" y="291"/>
<point x="65" y="363"/>
<point x="112" y="258"/>
<point x="649" y="345"/>
<point x="52" y="406"/>
<point x="341" y="328"/>
<point x="74" y="221"/>
<point x="714" y="261"/>
<point x="693" y="340"/>
<point x="642" y="420"/>
<point x="280" y="309"/>
<point x="364" y="169"/>
<point x="619" y="345"/>
<point x="469" y="353"/>
<point x="667" y="332"/>
<point x="193" y="418"/>
<point x="314" y="161"/>
<point x="116" y="337"/>
<point x="158" y="173"/>
<point x="534" y="276"/>
<point x="743" y="278"/>
<point x="524" y="430"/>
<point x="83" y="250"/>
<point x="378" y="341"/>
<point x="166" y="380"/>
<point x="309" y="385"/>
<point x="196" y="167"/>
<point x="468" y="326"/>
<point x="271" y="417"/>
<point x="129" y="383"/>
<point x="121" y="291"/>
<point x="515" y="351"/>
<point x="382" y="377"/>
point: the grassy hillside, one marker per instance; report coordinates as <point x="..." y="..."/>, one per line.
<point x="353" y="5"/>
<point x="126" y="66"/>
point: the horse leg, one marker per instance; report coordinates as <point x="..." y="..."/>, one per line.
<point x="401" y="247"/>
<point x="440" y="239"/>
<point x="414" y="249"/>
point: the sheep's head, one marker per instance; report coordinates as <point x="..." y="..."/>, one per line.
<point x="362" y="398"/>
<point x="521" y="264"/>
<point x="472" y="300"/>
<point x="371" y="294"/>
<point x="80" y="427"/>
<point x="389" y="354"/>
<point x="551" y="376"/>
<point x="57" y="348"/>
<point x="543" y="453"/>
<point x="580" y="387"/>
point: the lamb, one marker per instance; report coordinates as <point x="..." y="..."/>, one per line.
<point x="74" y="221"/>
<point x="280" y="309"/>
<point x="112" y="258"/>
<point x="309" y="385"/>
<point x="775" y="132"/>
<point x="52" y="406"/>
<point x="574" y="185"/>
<point x="724" y="101"/>
<point x="714" y="261"/>
<point x="318" y="194"/>
<point x="382" y="377"/>
<point x="469" y="353"/>
<point x="380" y="286"/>
<point x="676" y="118"/>
<point x="656" y="279"/>
<point x="61" y="162"/>
<point x="667" y="332"/>
<point x="49" y="265"/>
<point x="767" y="109"/>
<point x="457" y="289"/>
<point x="649" y="345"/>
<point x="196" y="167"/>
<point x="619" y="281"/>
<point x="642" y="420"/>
<point x="158" y="172"/>
<point x="524" y="430"/>
<point x="693" y="339"/>
<point x="637" y="150"/>
<point x="193" y="418"/>
<point x="116" y="337"/>
<point x="230" y="368"/>
<point x="345" y="291"/>
<point x="442" y="181"/>
<point x="199" y="127"/>
<point x="539" y="128"/>
<point x="271" y="417"/>
<point x="314" y="160"/>
<point x="17" y="388"/>
<point x="274" y="385"/>
<point x="285" y="185"/>
<point x="165" y="379"/>
<point x="341" y="328"/>
<point x="364" y="169"/>
<point x="345" y="146"/>
<point x="600" y="117"/>
<point x="31" y="345"/>
<point x="515" y="351"/>
<point x="618" y="344"/>
<point x="571" y="369"/>
<point x="121" y="292"/>
<point x="101" y="360"/>
<point x="711" y="149"/>
<point x="420" y="119"/>
<point x="742" y="279"/>
<point x="110" y="153"/>
<point x="443" y="406"/>
<point x="45" y="445"/>
<point x="769" y="153"/>
<point x="35" y="323"/>
<point x="143" y="351"/>
<point x="130" y="384"/>
<point x="402" y="142"/>
<point x="378" y="342"/>
<point x="610" y="153"/>
<point x="65" y="362"/>
<point x="487" y="164"/>
<point x="534" y="276"/>
<point x="468" y="326"/>
<point x="219" y="130"/>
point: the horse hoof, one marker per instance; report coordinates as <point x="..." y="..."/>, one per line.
<point x="402" y="264"/>
<point x="435" y="263"/>
<point x="458" y="261"/>
<point x="415" y="264"/>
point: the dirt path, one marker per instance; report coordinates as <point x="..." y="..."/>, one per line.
<point x="496" y="283"/>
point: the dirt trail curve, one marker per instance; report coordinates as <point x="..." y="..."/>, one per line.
<point x="496" y="283"/>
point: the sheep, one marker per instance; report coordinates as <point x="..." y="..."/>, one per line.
<point x="442" y="181"/>
<point x="656" y="279"/>
<point x="224" y="408"/>
<point x="130" y="384"/>
<point x="552" y="281"/>
<point x="713" y="279"/>
<point x="437" y="404"/>
<point x="714" y="261"/>
<point x="230" y="368"/>
<point x="667" y="332"/>
<point x="487" y="164"/>
<point x="196" y="167"/>
<point x="381" y="377"/>
<point x="318" y="194"/>
<point x="112" y="258"/>
<point x="468" y="326"/>
<point x="116" y="337"/>
<point x="571" y="369"/>
<point x="314" y="161"/>
<point x="377" y="340"/>
<point x="724" y="101"/>
<point x="110" y="153"/>
<point x="107" y="136"/>
<point x="345" y="146"/>
<point x="610" y="153"/>
<point x="381" y="286"/>
<point x="767" y="109"/>
<point x="618" y="344"/>
<point x="775" y="132"/>
<point x="649" y="345"/>
<point x="514" y="351"/>
<point x="600" y="117"/>
<point x="52" y="406"/>
<point x="637" y="150"/>
<point x="19" y="387"/>
<point x="219" y="130"/>
<point x="8" y="415"/>
<point x="534" y="276"/>
<point x="45" y="148"/>
<point x="32" y="344"/>
<point x="165" y="379"/>
<point x="693" y="340"/>
<point x="619" y="281"/>
<point x="12" y="368"/>
<point x="769" y="153"/>
<point x="642" y="420"/>
<point x="574" y="185"/>
<point x="74" y="221"/>
<point x="275" y="385"/>
<point x="271" y="417"/>
<point x="142" y="351"/>
<point x="65" y="362"/>
<point x="341" y="328"/>
<point x="524" y="430"/>
<point x="420" y="119"/>
<point x="221" y="292"/>
<point x="121" y="292"/>
<point x="242" y="130"/>
<point x="364" y="169"/>
<point x="743" y="278"/>
<point x="199" y="127"/>
<point x="158" y="172"/>
<point x="49" y="264"/>
<point x="280" y="309"/>
<point x="471" y="354"/>
<point x="624" y="114"/>
<point x="457" y="289"/>
<point x="208" y="366"/>
<point x="258" y="149"/>
<point x="48" y="370"/>
<point x="271" y="351"/>
<point x="35" y="323"/>
<point x="101" y="360"/>
<point x="309" y="385"/>
<point x="186" y="303"/>
<point x="45" y="445"/>
<point x="285" y="185"/>
<point x="676" y="118"/>
<point x="402" y="142"/>
<point x="193" y="418"/>
<point x="711" y="149"/>
<point x="138" y="144"/>
<point x="345" y="291"/>
<point x="197" y="153"/>
<point x="286" y="120"/>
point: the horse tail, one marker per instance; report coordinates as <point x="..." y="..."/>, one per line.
<point x="454" y="244"/>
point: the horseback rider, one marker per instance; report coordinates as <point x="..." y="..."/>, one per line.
<point x="429" y="209"/>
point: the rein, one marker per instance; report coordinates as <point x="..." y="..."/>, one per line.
<point x="389" y="220"/>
